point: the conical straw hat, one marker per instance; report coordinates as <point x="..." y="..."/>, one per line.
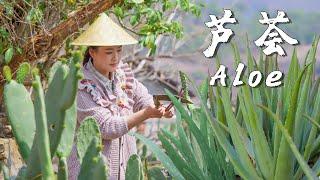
<point x="104" y="32"/>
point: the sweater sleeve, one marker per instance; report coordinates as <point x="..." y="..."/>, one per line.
<point x="142" y="98"/>
<point x="111" y="126"/>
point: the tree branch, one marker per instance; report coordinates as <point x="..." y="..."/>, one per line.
<point x="42" y="44"/>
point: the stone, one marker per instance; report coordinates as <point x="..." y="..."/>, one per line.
<point x="9" y="154"/>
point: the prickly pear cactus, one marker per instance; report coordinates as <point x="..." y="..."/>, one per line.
<point x="93" y="164"/>
<point x="87" y="131"/>
<point x="60" y="109"/>
<point x="65" y="145"/>
<point x="22" y="72"/>
<point x="134" y="168"/>
<point x="20" y="112"/>
<point x="42" y="136"/>
<point x="7" y="73"/>
<point x="60" y="97"/>
<point x="39" y="125"/>
<point x="63" y="172"/>
<point x="89" y="141"/>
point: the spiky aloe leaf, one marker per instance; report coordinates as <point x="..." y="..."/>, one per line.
<point x="176" y="158"/>
<point x="166" y="161"/>
<point x="304" y="97"/>
<point x="303" y="164"/>
<point x="263" y="154"/>
<point x="242" y="169"/>
<point x="22" y="72"/>
<point x="284" y="170"/>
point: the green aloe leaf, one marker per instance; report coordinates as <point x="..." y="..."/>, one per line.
<point x="166" y="161"/>
<point x="284" y="166"/>
<point x="303" y="164"/>
<point x="234" y="158"/>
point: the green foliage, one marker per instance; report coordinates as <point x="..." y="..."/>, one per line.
<point x="34" y="15"/>
<point x="152" y="20"/>
<point x="8" y="55"/>
<point x="194" y="153"/>
<point x="166" y="161"/>
<point x="269" y="145"/>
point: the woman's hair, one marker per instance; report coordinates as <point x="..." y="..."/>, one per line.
<point x="87" y="54"/>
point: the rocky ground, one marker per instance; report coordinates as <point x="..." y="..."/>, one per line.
<point x="9" y="154"/>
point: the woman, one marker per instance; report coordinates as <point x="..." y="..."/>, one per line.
<point x="110" y="93"/>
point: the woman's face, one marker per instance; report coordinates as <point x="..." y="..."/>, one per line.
<point x="106" y="58"/>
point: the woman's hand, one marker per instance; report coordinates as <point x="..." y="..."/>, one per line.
<point x="153" y="112"/>
<point x="166" y="114"/>
<point x="146" y="113"/>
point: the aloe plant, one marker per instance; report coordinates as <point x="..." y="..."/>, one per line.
<point x="253" y="131"/>
<point x="266" y="133"/>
